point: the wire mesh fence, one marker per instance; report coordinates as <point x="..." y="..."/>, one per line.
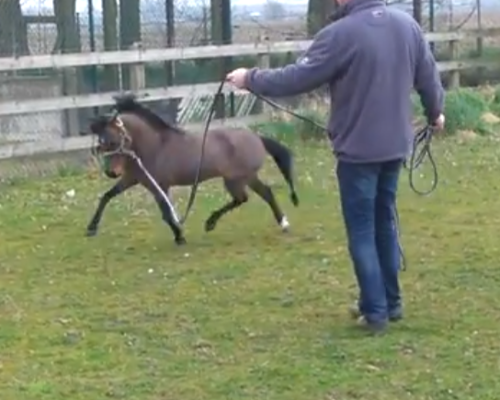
<point x="51" y="26"/>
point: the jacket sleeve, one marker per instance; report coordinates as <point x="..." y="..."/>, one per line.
<point x="320" y="63"/>
<point x="427" y="81"/>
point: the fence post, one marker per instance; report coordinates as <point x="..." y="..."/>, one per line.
<point x="70" y="85"/>
<point x="264" y="61"/>
<point x="454" y="75"/>
<point x="137" y="72"/>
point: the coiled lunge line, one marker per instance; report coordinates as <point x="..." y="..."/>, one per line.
<point x="421" y="150"/>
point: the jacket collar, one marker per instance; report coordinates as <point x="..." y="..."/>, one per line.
<point x="353" y="6"/>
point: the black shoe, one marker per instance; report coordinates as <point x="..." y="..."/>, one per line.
<point x="355" y="313"/>
<point x="373" y="328"/>
<point x="396" y="316"/>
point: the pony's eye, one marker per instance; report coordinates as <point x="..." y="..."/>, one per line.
<point x="102" y="140"/>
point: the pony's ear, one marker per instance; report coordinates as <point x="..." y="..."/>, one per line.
<point x="125" y="96"/>
<point x="126" y="102"/>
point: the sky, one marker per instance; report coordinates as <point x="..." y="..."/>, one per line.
<point x="81" y="5"/>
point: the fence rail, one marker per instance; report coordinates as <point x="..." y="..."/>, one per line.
<point x="139" y="57"/>
<point x="174" y="92"/>
<point x="107" y="98"/>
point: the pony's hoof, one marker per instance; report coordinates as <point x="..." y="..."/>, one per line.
<point x="210" y="225"/>
<point x="180" y="241"/>
<point x="284" y="224"/>
<point x="91" y="232"/>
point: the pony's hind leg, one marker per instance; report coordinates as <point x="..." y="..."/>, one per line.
<point x="266" y="194"/>
<point x="236" y="189"/>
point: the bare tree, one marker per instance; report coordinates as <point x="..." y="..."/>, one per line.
<point x="68" y="41"/>
<point x="318" y="13"/>
<point x="274" y="10"/>
<point x="13" y="29"/>
<point x="130" y="23"/>
<point x="110" y="30"/>
<point x="68" y="37"/>
<point x="417" y="11"/>
<point x="130" y="31"/>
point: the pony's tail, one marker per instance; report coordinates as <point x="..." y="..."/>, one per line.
<point x="283" y="158"/>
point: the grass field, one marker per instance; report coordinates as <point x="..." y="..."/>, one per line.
<point x="246" y="312"/>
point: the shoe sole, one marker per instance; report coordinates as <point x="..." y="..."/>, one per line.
<point x="355" y="314"/>
<point x="371" y="329"/>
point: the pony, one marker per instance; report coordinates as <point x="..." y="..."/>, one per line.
<point x="136" y="144"/>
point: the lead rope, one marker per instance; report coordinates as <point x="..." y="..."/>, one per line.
<point x="417" y="157"/>
<point x="158" y="188"/>
<point x="288" y="111"/>
<point x="194" y="188"/>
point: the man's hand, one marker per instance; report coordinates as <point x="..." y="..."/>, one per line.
<point x="238" y="77"/>
<point x="439" y="122"/>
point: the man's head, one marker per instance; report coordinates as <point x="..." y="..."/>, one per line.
<point x="339" y="11"/>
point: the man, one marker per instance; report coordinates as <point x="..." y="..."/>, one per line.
<point x="371" y="58"/>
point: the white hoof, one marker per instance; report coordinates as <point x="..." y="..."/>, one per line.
<point x="285" y="225"/>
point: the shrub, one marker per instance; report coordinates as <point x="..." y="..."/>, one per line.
<point x="279" y="129"/>
<point x="308" y="130"/>
<point x="286" y="127"/>
<point x="464" y="110"/>
<point x="495" y="102"/>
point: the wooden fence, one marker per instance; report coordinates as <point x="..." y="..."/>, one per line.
<point x="139" y="57"/>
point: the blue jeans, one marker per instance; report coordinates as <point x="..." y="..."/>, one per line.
<point x="368" y="197"/>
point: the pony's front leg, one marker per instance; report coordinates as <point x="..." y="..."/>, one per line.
<point x="121" y="186"/>
<point x="168" y="217"/>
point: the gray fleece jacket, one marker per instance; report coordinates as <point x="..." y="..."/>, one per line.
<point x="371" y="58"/>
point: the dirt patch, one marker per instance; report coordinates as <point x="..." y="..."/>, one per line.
<point x="490" y="118"/>
<point x="487" y="91"/>
<point x="466" y="136"/>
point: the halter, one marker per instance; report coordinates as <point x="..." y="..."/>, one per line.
<point x="125" y="140"/>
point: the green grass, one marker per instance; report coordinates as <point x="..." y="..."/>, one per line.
<point x="246" y="312"/>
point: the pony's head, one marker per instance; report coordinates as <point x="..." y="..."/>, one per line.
<point x="129" y="127"/>
<point x="114" y="143"/>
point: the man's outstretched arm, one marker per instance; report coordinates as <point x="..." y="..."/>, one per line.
<point x="321" y="62"/>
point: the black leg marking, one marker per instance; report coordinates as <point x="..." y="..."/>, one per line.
<point x="120" y="187"/>
<point x="211" y="222"/>
<point x="237" y="191"/>
<point x="167" y="216"/>
<point x="266" y="194"/>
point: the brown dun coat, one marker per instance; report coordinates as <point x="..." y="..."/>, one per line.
<point x="171" y="155"/>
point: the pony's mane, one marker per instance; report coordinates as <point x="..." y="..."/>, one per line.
<point x="128" y="103"/>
